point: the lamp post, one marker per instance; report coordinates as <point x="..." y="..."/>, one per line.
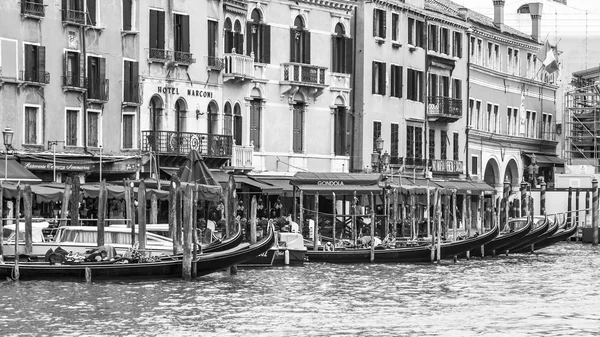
<point x="100" y="162"/>
<point x="53" y="143"/>
<point x="8" y="138"/>
<point x="379" y="161"/>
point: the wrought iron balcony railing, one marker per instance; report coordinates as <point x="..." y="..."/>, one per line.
<point x="97" y="89"/>
<point x="131" y="92"/>
<point x="237" y="65"/>
<point x="444" y="108"/>
<point x="73" y="81"/>
<point x="305" y="74"/>
<point x="39" y="77"/>
<point x="215" y="63"/>
<point x="74" y="16"/>
<point x="209" y="145"/>
<point x="184" y="58"/>
<point x="159" y="55"/>
<point x="446" y="166"/>
<point x="32" y="8"/>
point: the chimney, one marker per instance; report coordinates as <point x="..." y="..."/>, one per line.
<point x="535" y="10"/>
<point x="499" y="13"/>
<point x="463" y="13"/>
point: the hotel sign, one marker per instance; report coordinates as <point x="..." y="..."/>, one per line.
<point x="40" y="166"/>
<point x="188" y="92"/>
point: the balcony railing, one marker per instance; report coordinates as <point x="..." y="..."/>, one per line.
<point x="242" y="156"/>
<point x="209" y="145"/>
<point x="446" y="166"/>
<point x="444" y="109"/>
<point x="159" y="55"/>
<point x="32" y="8"/>
<point x="306" y="74"/>
<point x="73" y="81"/>
<point x="184" y="58"/>
<point x="131" y="92"/>
<point x="39" y="77"/>
<point x="414" y="161"/>
<point x="237" y="65"/>
<point x="74" y="16"/>
<point x="98" y="89"/>
<point x="215" y="63"/>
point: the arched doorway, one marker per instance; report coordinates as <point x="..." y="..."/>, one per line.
<point x="237" y="124"/>
<point x="156" y="107"/>
<point x="492" y="173"/>
<point x="181" y="115"/>
<point x="512" y="173"/>
<point x="213" y="119"/>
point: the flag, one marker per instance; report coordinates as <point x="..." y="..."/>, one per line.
<point x="548" y="57"/>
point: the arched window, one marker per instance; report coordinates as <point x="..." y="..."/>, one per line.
<point x="180" y="115"/>
<point x="213" y="119"/>
<point x="259" y="38"/>
<point x="299" y="42"/>
<point x="238" y="38"/>
<point x="227" y="119"/>
<point x="237" y="124"/>
<point x="341" y="49"/>
<point x="255" y="119"/>
<point x="229" y="44"/>
<point x="156" y="107"/>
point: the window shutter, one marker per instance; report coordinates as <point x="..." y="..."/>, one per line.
<point x="66" y="70"/>
<point x="153" y="43"/>
<point x="293" y="45"/>
<point x="374" y="77"/>
<point x="265" y="56"/>
<point x="102" y="67"/>
<point x="91" y="12"/>
<point x="375" y="22"/>
<point x="349" y="53"/>
<point x="306" y="56"/>
<point x="127" y="15"/>
<point x="249" y="46"/>
<point x="240" y="47"/>
<point x="228" y="41"/>
<point x="185" y="33"/>
<point x="337" y="140"/>
<point x="160" y="37"/>
<point x="135" y="82"/>
<point x="400" y="82"/>
<point x="127" y="85"/>
<point x="334" y="54"/>
<point x="382" y="78"/>
<point x="384" y="17"/>
<point x="393" y="80"/>
<point x="64" y="9"/>
<point x="41" y="64"/>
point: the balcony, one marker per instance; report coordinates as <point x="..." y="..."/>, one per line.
<point x="444" y="109"/>
<point x="241" y="157"/>
<point x="184" y="58"/>
<point x="409" y="161"/>
<point x="75" y="17"/>
<point x="446" y="166"/>
<point x="215" y="63"/>
<point x="31" y="77"/>
<point x="298" y="75"/>
<point x="181" y="143"/>
<point x="238" y="67"/>
<point x="73" y="82"/>
<point x="97" y="90"/>
<point x="32" y="9"/>
<point x="159" y="55"/>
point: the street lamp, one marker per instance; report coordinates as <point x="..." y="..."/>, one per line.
<point x="53" y="143"/>
<point x="8" y="138"/>
<point x="378" y="160"/>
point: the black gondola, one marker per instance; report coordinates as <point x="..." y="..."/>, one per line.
<point x="560" y="235"/>
<point x="528" y="247"/>
<point x="504" y="239"/>
<point x="531" y="237"/>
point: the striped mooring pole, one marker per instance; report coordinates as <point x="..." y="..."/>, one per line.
<point x="543" y="198"/>
<point x="577" y="206"/>
<point x="569" y="208"/>
<point x="523" y="198"/>
<point x="587" y="208"/>
<point x="504" y="217"/>
<point x="595" y="210"/>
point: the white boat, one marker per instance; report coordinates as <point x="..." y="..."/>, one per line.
<point x="79" y="239"/>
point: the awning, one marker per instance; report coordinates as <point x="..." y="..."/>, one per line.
<point x="464" y="186"/>
<point x="171" y="171"/>
<point x="287" y="190"/>
<point x="341" y="183"/>
<point x="547" y="159"/>
<point x="264" y="187"/>
<point x="16" y="172"/>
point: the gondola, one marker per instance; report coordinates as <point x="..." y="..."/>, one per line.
<point x="228" y="243"/>
<point x="528" y="247"/>
<point x="409" y="254"/>
<point x="503" y="239"/>
<point x="532" y="236"/>
<point x="167" y="267"/>
<point x="560" y="235"/>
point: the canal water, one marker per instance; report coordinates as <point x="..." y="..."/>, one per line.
<point x="555" y="292"/>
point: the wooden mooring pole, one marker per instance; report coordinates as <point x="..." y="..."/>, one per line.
<point x="27" y="212"/>
<point x="102" y="200"/>
<point x="141" y="197"/>
<point x="187" y="204"/>
<point x="372" y="227"/>
<point x="577" y="206"/>
<point x="595" y="211"/>
<point x="569" y="208"/>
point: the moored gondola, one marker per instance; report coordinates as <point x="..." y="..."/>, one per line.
<point x="552" y="229"/>
<point x="560" y="235"/>
<point x="532" y="236"/>
<point x="503" y="239"/>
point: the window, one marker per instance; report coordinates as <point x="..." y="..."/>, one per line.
<point x="471" y="112"/>
<point x="394" y="145"/>
<point x="212" y="119"/>
<point x="127" y="15"/>
<point x="474" y="165"/>
<point x="341" y="137"/>
<point x="90" y="18"/>
<point x="156" y="31"/>
<point x="35" y="64"/>
<point x="497" y="61"/>
<point x="415" y="32"/>
<point x="489" y="117"/>
<point x="298" y="127"/>
<point x="182" y="38"/>
<point x="180" y="115"/>
<point x="495" y="119"/>
<point x="379" y="23"/>
<point x="414" y="144"/>
<point x="489" y="61"/>
<point x="299" y="42"/>
<point x="457" y="89"/>
<point x="414" y="91"/>
<point x="395" y="27"/>
<point x="31" y="125"/>
<point x="97" y="83"/>
<point x="212" y="42"/>
<point x="258" y="35"/>
<point x="131" y="82"/>
<point x="456" y="146"/>
<point x="532" y="132"/>
<point x="396" y="79"/>
<point x="33" y="7"/>
<point x="444" y="144"/>
<point x="512" y="64"/>
<point x="128" y="131"/>
<point x="479" y="52"/>
<point x="478" y="115"/>
<point x="255" y="123"/>
<point x="341" y="51"/>
<point x="72" y="64"/>
<point x="527" y="123"/>
<point x="433" y="86"/>
<point x="433" y="38"/>
<point x="445" y="86"/>
<point x="457" y="44"/>
<point x="431" y="144"/>
<point x="93" y="128"/>
<point x="444" y="41"/>
<point x="378" y="78"/>
<point x="376" y="134"/>
<point x="234" y="39"/>
<point x="227" y="119"/>
<point x="410" y="142"/>
<point x="237" y="124"/>
<point x="73" y="11"/>
<point x="72" y="128"/>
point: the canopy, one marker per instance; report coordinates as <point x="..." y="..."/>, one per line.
<point x="546" y="159"/>
<point x="195" y="170"/>
<point x="265" y="187"/>
<point x="16" y="172"/>
<point x="340" y="183"/>
<point x="287" y="190"/>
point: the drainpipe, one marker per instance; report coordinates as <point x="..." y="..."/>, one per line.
<point x="469" y="31"/>
<point x="353" y="93"/>
<point x="85" y="95"/>
<point x="426" y="102"/>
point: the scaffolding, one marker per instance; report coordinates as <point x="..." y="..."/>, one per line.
<point x="582" y="108"/>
